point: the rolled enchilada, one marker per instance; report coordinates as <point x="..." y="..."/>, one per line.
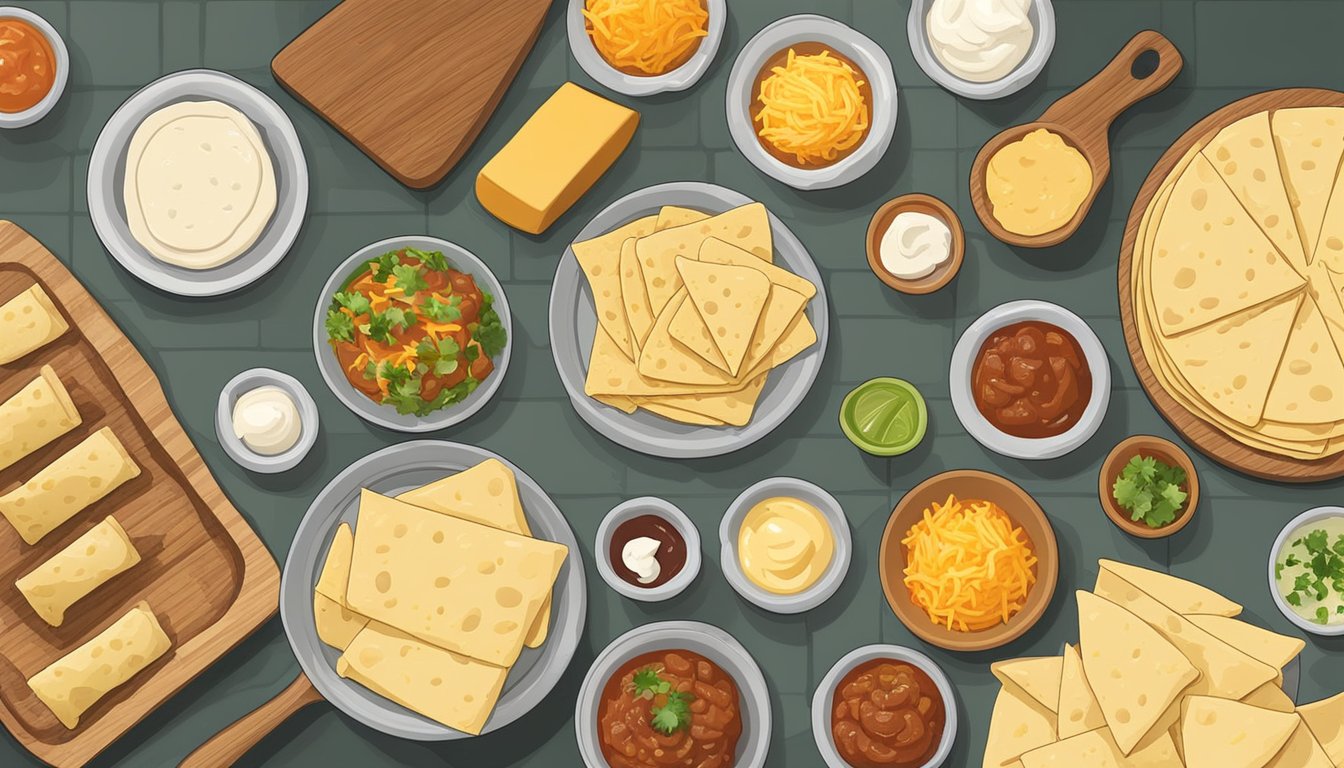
<point x="34" y="416"/>
<point x="85" y="474"/>
<point x="90" y="561"/>
<point x="79" y="679"/>
<point x="28" y="322"/>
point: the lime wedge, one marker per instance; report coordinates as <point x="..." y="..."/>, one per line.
<point x="884" y="416"/>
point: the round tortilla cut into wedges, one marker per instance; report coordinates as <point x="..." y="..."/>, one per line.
<point x="600" y="260"/>
<point x="1243" y="154"/>
<point x="1210" y="260"/>
<point x="729" y="300"/>
<point x="1309" y="387"/>
<point x="1218" y="733"/>
<point x="1231" y="362"/>
<point x="1310" y="142"/>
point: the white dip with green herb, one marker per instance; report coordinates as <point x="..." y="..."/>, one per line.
<point x="1309" y="570"/>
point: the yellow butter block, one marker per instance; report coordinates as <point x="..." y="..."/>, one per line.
<point x="559" y="153"/>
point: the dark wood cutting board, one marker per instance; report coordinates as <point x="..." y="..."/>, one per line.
<point x="411" y="82"/>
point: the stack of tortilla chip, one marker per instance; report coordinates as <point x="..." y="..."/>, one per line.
<point x="1163" y="675"/>
<point x="1237" y="282"/>
<point x="692" y="314"/>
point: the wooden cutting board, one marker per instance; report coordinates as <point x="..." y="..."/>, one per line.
<point x="411" y="82"/>
<point x="206" y="575"/>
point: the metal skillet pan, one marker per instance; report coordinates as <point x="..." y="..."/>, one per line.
<point x="392" y="471"/>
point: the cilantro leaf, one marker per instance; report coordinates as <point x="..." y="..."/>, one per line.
<point x="433" y="260"/>
<point x="382" y="266"/>
<point x="1317" y="541"/>
<point x="409" y="279"/>
<point x="673" y="715"/>
<point x="1322" y="615"/>
<point x="356" y="302"/>
<point x="1150" y="491"/>
<point x="647" y="682"/>
<point x="489" y="332"/>
<point x="440" y="357"/>
<point x="380" y="325"/>
<point x="340" y="326"/>
<point x="441" y="311"/>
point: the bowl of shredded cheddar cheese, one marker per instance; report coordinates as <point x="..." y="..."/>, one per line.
<point x="643" y="47"/>
<point x="812" y="102"/>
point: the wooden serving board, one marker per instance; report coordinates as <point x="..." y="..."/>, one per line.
<point x="1211" y="441"/>
<point x="206" y="575"/>
<point x="411" y="82"/>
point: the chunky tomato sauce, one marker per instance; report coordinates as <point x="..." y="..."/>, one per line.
<point x="1031" y="379"/>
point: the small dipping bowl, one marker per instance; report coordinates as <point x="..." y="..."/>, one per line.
<point x="916" y="203"/>
<point x="39" y="110"/>
<point x="825" y="585"/>
<point x="1319" y="514"/>
<point x="871" y="409"/>
<point x="825" y="694"/>
<point x="679" y="79"/>
<point x="238" y="450"/>
<point x="648" y="505"/>
<point x="1164" y="451"/>
<point x="1042" y="16"/>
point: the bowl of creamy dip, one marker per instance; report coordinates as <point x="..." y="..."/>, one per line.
<point x="785" y="545"/>
<point x="982" y="49"/>
<point x="916" y="244"/>
<point x="266" y="420"/>
<point x="647" y="549"/>
<point x="1312" y="541"/>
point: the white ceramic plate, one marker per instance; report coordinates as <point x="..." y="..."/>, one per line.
<point x="107" y="173"/>
<point x="39" y="110"/>
<point x="1306" y="518"/>
<point x="574" y="321"/>
<point x="810" y="28"/>
<point x="385" y="415"/>
<point x="988" y="435"/>
<point x="679" y="79"/>
<point x="1042" y="15"/>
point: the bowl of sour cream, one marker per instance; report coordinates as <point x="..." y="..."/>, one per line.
<point x="916" y="244"/>
<point x="982" y="49"/>
<point x="1306" y="571"/>
<point x="266" y="420"/>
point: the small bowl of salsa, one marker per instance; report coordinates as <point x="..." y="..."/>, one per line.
<point x="648" y="549"/>
<point x="34" y="67"/>
<point x="847" y="718"/>
<point x="1030" y="380"/>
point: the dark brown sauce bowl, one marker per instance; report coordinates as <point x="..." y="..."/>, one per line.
<point x="676" y="520"/>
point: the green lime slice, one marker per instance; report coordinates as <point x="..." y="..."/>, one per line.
<point x="884" y="416"/>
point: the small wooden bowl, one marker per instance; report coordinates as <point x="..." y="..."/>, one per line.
<point x="1164" y="451"/>
<point x="1020" y="506"/>
<point x="918" y="203"/>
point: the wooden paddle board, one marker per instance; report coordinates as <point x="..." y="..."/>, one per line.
<point x="411" y="82"/>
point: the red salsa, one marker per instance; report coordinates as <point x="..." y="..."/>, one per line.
<point x="1031" y="379"/>
<point x="27" y="66"/>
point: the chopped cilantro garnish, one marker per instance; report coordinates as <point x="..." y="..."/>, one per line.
<point x="411" y="280"/>
<point x="443" y="311"/>
<point x="382" y="266"/>
<point x="671" y="710"/>
<point x="354" y="301"/>
<point x="340" y="326"/>
<point x="433" y="260"/>
<point x="381" y="324"/>
<point x="489" y="331"/>
<point x="1150" y="490"/>
<point x="440" y="357"/>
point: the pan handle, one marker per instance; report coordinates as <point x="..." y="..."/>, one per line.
<point x="229" y="745"/>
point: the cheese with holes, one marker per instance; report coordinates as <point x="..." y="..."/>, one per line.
<point x="85" y="474"/>
<point x="86" y="564"/>
<point x="331" y="582"/>
<point x="336" y="624"/>
<point x="37" y="414"/>
<point x="469" y="588"/>
<point x="79" y="679"/>
<point x="567" y="144"/>
<point x="447" y="687"/>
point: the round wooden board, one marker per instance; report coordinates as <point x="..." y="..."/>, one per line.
<point x="1208" y="439"/>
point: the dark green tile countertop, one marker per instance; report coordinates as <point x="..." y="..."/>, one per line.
<point x="1232" y="48"/>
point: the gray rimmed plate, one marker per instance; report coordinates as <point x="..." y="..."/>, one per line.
<point x="392" y="471"/>
<point x="385" y="415"/>
<point x="708" y="641"/>
<point x="679" y="79"/>
<point x="574" y="321"/>
<point x="107" y="174"/>
<point x="237" y="449"/>
<point x="830" y="579"/>
<point x="648" y="505"/>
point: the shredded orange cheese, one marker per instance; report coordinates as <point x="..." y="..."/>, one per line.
<point x="646" y="36"/>
<point x="812" y="108"/>
<point x="968" y="565"/>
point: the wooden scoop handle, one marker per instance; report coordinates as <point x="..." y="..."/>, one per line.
<point x="1093" y="106"/>
<point x="229" y="745"/>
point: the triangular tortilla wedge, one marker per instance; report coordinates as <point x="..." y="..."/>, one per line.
<point x="795" y="337"/>
<point x="680" y="414"/>
<point x="728" y="408"/>
<point x="1079" y="711"/>
<point x="687" y="329"/>
<point x="1037" y="677"/>
<point x="716" y="251"/>
<point x="611" y="373"/>
<point x="336" y="624"/>
<point x="1270" y="647"/>
<point x="1309" y="387"/>
<point x="1097" y="749"/>
<point x="1310" y="142"/>
<point x="1243" y="155"/>
<point x="747" y="226"/>
<point x="675" y="216"/>
<point x="1270" y="696"/>
<point x="1209" y="259"/>
<point x="600" y="260"/>
<point x="663" y="358"/>
<point x="729" y="300"/>
<point x="1134" y="672"/>
<point x="1330" y="246"/>
<point x="334" y="579"/>
<point x="1325" y="718"/>
<point x="1224" y="670"/>
<point x="635" y="300"/>
<point x="1301" y="751"/>
<point x="1218" y="733"/>
<point x="1018" y="725"/>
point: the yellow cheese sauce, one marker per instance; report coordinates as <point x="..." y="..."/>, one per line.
<point x="1037" y="183"/>
<point x="784" y="545"/>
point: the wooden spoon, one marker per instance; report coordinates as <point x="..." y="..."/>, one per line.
<point x="1083" y="119"/>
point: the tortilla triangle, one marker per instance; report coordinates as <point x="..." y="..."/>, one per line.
<point x="1218" y="733"/>
<point x="691" y="332"/>
<point x="639" y="318"/>
<point x="1309" y="386"/>
<point x="1037" y="677"/>
<point x="1078" y="708"/>
<point x="1310" y="143"/>
<point x="729" y="300"/>
<point x="1097" y="749"/>
<point x="1018" y="725"/>
<point x="1301" y="751"/>
<point x="600" y="260"/>
<point x="746" y="226"/>
<point x="1325" y="718"/>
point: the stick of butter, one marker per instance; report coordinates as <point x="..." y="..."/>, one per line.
<point x="559" y="153"/>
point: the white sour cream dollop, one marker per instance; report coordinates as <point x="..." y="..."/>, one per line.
<point x="640" y="555"/>
<point x="915" y="245"/>
<point x="980" y="40"/>
<point x="267" y="420"/>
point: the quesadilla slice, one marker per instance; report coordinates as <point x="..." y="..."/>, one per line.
<point x="1018" y="725"/>
<point x="1078" y="710"/>
<point x="729" y="300"/>
<point x="1301" y="751"/>
<point x="1037" y="677"/>
<point x="600" y="259"/>
<point x="1325" y="718"/>
<point x="689" y="330"/>
<point x="747" y="227"/>
<point x="1310" y="143"/>
<point x="1209" y="260"/>
<point x="1217" y="733"/>
<point x="1309" y="385"/>
<point x="1270" y="696"/>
